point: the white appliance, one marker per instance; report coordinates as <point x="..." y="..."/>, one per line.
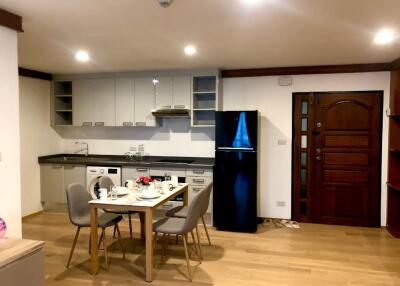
<point x="93" y="173"/>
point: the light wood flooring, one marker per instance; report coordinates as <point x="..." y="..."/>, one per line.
<point x="312" y="255"/>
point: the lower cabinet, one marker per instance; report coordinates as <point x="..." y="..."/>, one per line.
<point x="55" y="179"/>
<point x="132" y="173"/>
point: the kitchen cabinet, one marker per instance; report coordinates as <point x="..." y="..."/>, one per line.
<point x="144" y="102"/>
<point x="164" y="91"/>
<point x="181" y="92"/>
<point x="94" y="102"/>
<point x="73" y="174"/>
<point x="55" y="179"/>
<point x="132" y="173"/>
<point x="82" y="103"/>
<point x="104" y="102"/>
<point x="51" y="181"/>
<point x="124" y="102"/>
<point x="198" y="179"/>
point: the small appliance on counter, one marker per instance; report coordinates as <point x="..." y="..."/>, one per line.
<point x="235" y="173"/>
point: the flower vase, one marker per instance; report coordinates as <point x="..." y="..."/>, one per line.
<point x="3" y="228"/>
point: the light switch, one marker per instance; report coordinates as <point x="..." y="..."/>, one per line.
<point x="282" y="142"/>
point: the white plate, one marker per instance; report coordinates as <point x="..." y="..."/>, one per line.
<point x="122" y="191"/>
<point x="149" y="196"/>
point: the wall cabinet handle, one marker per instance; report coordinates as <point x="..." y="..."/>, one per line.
<point x="180" y="106"/>
<point x="142" y="169"/>
<point x="99" y="124"/>
<point x="86" y="123"/>
<point x="127" y="123"/>
<point x="198" y="171"/>
<point x="140" y="123"/>
<point x="166" y="106"/>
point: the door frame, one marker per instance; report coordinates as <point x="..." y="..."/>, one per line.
<point x="379" y="160"/>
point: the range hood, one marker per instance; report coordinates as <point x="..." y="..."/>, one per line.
<point x="171" y="112"/>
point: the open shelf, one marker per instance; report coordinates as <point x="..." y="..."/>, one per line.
<point x="62" y="103"/>
<point x="204" y="100"/>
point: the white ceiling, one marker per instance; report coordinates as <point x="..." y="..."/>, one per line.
<point x="125" y="35"/>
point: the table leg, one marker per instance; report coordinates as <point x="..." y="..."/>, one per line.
<point x="149" y="244"/>
<point x="186" y="196"/>
<point x="94" y="239"/>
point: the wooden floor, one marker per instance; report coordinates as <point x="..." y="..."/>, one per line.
<point x="312" y="255"/>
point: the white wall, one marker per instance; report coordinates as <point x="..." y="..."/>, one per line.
<point x="174" y="138"/>
<point x="37" y="138"/>
<point x="10" y="190"/>
<point x="275" y="105"/>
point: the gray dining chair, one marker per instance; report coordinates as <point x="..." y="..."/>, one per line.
<point x="181" y="212"/>
<point x="79" y="215"/>
<point x="106" y="182"/>
<point x="182" y="226"/>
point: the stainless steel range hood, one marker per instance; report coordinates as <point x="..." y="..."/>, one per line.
<point x="171" y="112"/>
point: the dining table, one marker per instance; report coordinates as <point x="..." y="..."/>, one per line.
<point x="133" y="201"/>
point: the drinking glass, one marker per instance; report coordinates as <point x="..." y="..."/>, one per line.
<point x="157" y="185"/>
<point x="113" y="192"/>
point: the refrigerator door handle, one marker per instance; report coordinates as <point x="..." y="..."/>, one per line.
<point x="235" y="148"/>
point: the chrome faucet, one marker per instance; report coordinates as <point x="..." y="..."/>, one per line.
<point x="86" y="149"/>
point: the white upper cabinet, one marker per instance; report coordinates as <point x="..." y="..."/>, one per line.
<point x="144" y="101"/>
<point x="94" y="102"/>
<point x="164" y="89"/>
<point x="104" y="102"/>
<point x="124" y="102"/>
<point x="82" y="103"/>
<point x="181" y="92"/>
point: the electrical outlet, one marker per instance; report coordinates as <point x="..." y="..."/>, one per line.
<point x="280" y="203"/>
<point x="282" y="141"/>
<point x="133" y="149"/>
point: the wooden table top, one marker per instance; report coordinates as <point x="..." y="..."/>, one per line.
<point x="134" y="199"/>
<point x="12" y="249"/>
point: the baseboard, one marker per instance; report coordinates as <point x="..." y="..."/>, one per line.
<point x="32" y="215"/>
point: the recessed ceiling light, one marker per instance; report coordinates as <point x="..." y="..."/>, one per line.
<point x="82" y="56"/>
<point x="384" y="36"/>
<point x="190" y="50"/>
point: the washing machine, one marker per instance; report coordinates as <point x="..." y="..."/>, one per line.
<point x="93" y="173"/>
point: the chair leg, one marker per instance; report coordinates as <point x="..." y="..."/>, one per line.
<point x="101" y="238"/>
<point x="155" y="241"/>
<point x="105" y="247"/>
<point x="195" y="246"/>
<point x="176" y="240"/>
<point x="115" y="228"/>
<point x="205" y="228"/>
<point x="130" y="224"/>
<point x="142" y="221"/>
<point x="73" y="246"/>
<point x="164" y="245"/>
<point x="198" y="240"/>
<point x="120" y="241"/>
<point x="90" y="245"/>
<point x="187" y="256"/>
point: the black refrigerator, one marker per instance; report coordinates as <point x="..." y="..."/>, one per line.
<point x="235" y="171"/>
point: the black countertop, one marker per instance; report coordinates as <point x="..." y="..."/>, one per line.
<point x="120" y="160"/>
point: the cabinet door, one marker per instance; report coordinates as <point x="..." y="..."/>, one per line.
<point x="104" y="101"/>
<point x="163" y="87"/>
<point x="132" y="173"/>
<point x="82" y="102"/>
<point x="124" y="101"/>
<point x="73" y="174"/>
<point x="52" y="183"/>
<point x="181" y="92"/>
<point x="144" y="102"/>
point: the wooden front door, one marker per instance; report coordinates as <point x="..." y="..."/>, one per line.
<point x="337" y="158"/>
